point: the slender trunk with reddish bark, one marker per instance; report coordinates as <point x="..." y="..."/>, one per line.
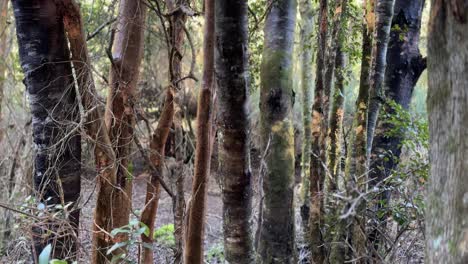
<point x="114" y="200"/>
<point x="193" y="252"/>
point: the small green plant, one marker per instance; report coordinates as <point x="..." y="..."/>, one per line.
<point x="133" y="230"/>
<point x="215" y="253"/>
<point x="165" y="235"/>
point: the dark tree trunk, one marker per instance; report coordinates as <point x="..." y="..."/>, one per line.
<point x="233" y="120"/>
<point x="44" y="57"/>
<point x="317" y="171"/>
<point x="3" y="54"/>
<point x="276" y="102"/>
<point x="404" y="66"/>
<point x="447" y="104"/>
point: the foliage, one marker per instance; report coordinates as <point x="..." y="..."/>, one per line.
<point x="215" y="253"/>
<point x="133" y="230"/>
<point x="165" y="235"/>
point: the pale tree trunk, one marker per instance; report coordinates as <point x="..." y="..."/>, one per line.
<point x="44" y="57"/>
<point x="114" y="201"/>
<point x="317" y="170"/>
<point x="3" y="53"/>
<point x="404" y="67"/>
<point x="234" y="126"/>
<point x="276" y="244"/>
<point x="447" y="104"/>
<point x="307" y="29"/>
<point x="193" y="251"/>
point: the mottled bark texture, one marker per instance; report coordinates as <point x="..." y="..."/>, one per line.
<point x="317" y="170"/>
<point x="383" y="13"/>
<point x="233" y="135"/>
<point x="404" y="67"/>
<point x="447" y="104"/>
<point x="114" y="200"/>
<point x="355" y="167"/>
<point x="383" y="23"/>
<point x="44" y="57"/>
<point x="306" y="56"/>
<point x="276" y="243"/>
<point x="336" y="117"/>
<point x="193" y="252"/>
<point x="3" y="53"/>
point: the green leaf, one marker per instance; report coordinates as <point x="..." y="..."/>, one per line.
<point x="45" y="255"/>
<point x="116" y="246"/>
<point x="58" y="261"/>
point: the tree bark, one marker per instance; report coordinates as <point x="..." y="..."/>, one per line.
<point x="276" y="243"/>
<point x="3" y="53"/>
<point x="234" y="126"/>
<point x="447" y="104"/>
<point x="355" y="166"/>
<point x="404" y="67"/>
<point x="317" y="171"/>
<point x="307" y="29"/>
<point x="44" y="57"/>
<point x="383" y="23"/>
<point x="114" y="200"/>
<point x="193" y="252"/>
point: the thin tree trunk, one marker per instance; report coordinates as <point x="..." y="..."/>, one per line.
<point x="336" y="118"/>
<point x="384" y="13"/>
<point x="165" y="121"/>
<point x="276" y="243"/>
<point x="114" y="200"/>
<point x="404" y="67"/>
<point x="447" y="104"/>
<point x="317" y="171"/>
<point x="307" y="29"/>
<point x="233" y="120"/>
<point x="3" y="53"/>
<point x="193" y="252"/>
<point x="44" y="57"/>
<point x="383" y="24"/>
<point x="355" y="166"/>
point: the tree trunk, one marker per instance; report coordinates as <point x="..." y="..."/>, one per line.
<point x="276" y="101"/>
<point x="114" y="201"/>
<point x="196" y="216"/>
<point x="317" y="171"/>
<point x="383" y="23"/>
<point x="447" y="104"/>
<point x="234" y="126"/>
<point x="160" y="136"/>
<point x="404" y="67"/>
<point x="356" y="154"/>
<point x="307" y="29"/>
<point x="3" y="53"/>
<point x="44" y="57"/>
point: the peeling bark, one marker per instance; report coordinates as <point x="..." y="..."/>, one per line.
<point x="317" y="171"/>
<point x="114" y="200"/>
